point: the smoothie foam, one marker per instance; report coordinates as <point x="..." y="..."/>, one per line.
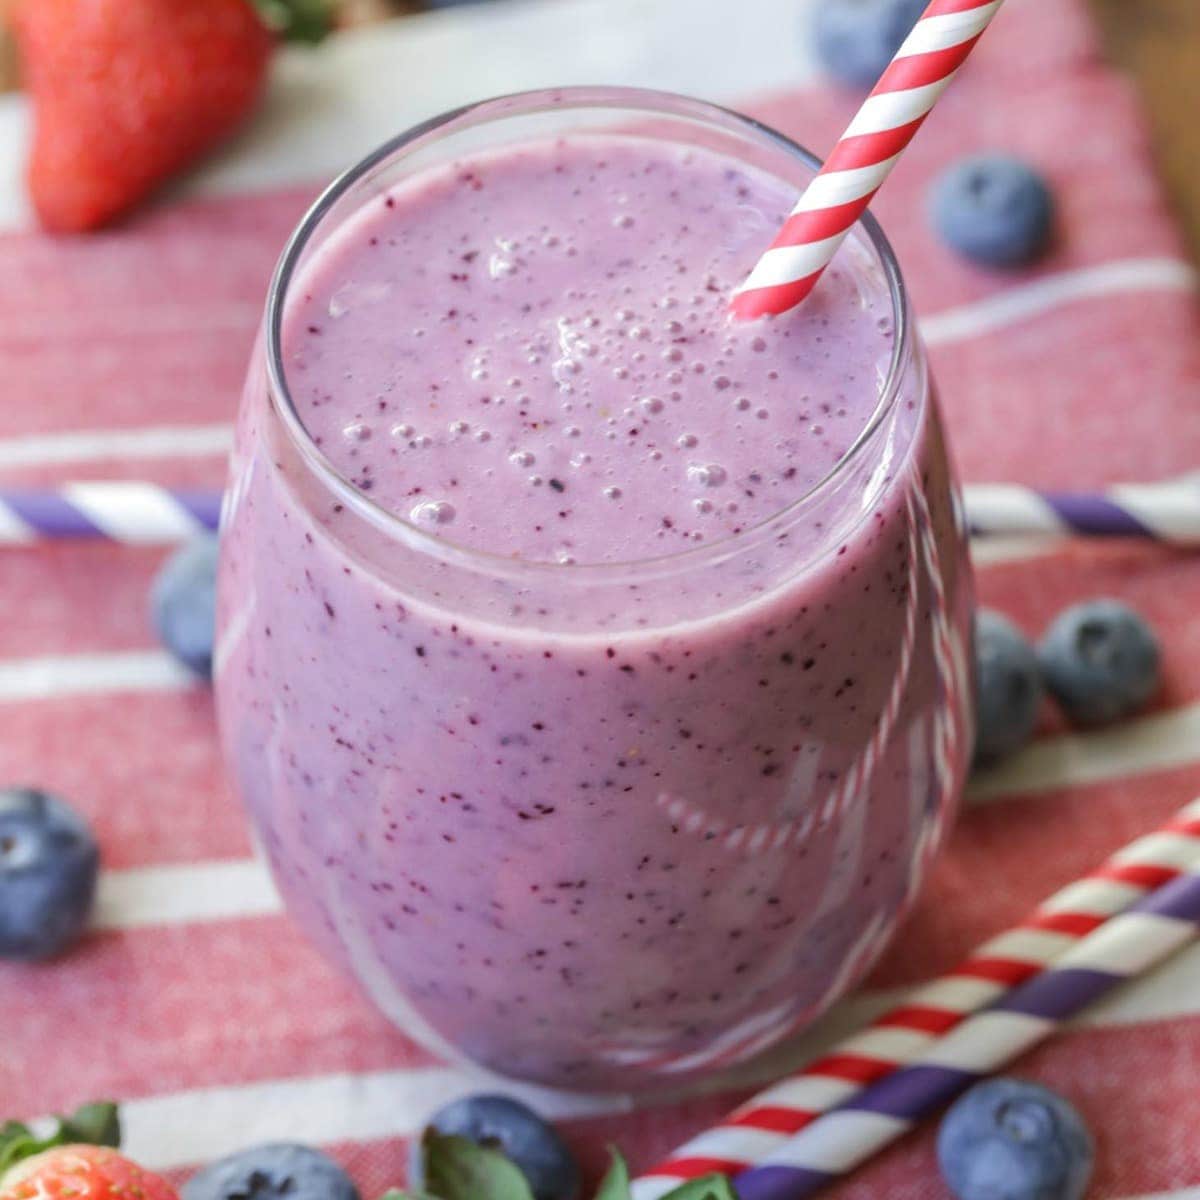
<point x="531" y="354"/>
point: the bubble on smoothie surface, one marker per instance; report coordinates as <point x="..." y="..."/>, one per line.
<point x="529" y="318"/>
<point x="433" y="512"/>
<point x="353" y="295"/>
<point x="706" y="474"/>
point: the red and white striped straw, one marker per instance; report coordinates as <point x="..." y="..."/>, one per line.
<point x="764" y="1124"/>
<point x="864" y="156"/>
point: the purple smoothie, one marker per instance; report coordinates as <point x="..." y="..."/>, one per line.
<point x="618" y="757"/>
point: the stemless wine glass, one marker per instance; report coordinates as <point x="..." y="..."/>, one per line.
<point x="602" y="826"/>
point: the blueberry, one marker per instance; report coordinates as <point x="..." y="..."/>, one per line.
<point x="1009" y="686"/>
<point x="1100" y="660"/>
<point x="856" y="39"/>
<point x="183" y="603"/>
<point x="993" y="209"/>
<point x="276" y="1170"/>
<point x="1007" y="1139"/>
<point x="518" y="1133"/>
<point x="48" y="866"/>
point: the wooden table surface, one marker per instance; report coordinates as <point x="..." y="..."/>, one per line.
<point x="1159" y="41"/>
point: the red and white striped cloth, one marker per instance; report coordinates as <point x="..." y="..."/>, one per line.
<point x="199" y="1005"/>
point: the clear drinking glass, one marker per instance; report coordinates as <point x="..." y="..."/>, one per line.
<point x="550" y="816"/>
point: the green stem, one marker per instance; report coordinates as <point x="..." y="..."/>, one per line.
<point x="297" y="20"/>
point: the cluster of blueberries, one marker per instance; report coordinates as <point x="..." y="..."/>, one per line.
<point x="1099" y="660"/>
<point x="1005" y="1139"/>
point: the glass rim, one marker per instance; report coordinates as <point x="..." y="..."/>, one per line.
<point x="647" y="101"/>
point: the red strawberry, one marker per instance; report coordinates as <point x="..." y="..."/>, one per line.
<point x="82" y="1173"/>
<point x="127" y="92"/>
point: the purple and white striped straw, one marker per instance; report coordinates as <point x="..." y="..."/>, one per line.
<point x="1167" y="512"/>
<point x="118" y="511"/>
<point x="843" y="1138"/>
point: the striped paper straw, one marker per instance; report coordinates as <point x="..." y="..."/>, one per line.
<point x="1126" y="946"/>
<point x="763" y="1124"/>
<point x="864" y="156"/>
<point x="119" y="511"/>
<point x="1166" y="512"/>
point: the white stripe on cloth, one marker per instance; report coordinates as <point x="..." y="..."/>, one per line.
<point x="179" y="894"/>
<point x="1019" y="303"/>
<point x="95" y="445"/>
<point x="1154" y="743"/>
<point x="56" y="675"/>
<point x="188" y="1128"/>
<point x="998" y="550"/>
<point x="95" y="322"/>
<point x="1187" y="1193"/>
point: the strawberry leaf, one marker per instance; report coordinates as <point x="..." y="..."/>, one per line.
<point x="458" y="1169"/>
<point x="405" y="1194"/>
<point x="709" y="1187"/>
<point x="16" y="1142"/>
<point x="94" y="1123"/>
<point x="97" y="1124"/>
<point x="615" y="1184"/>
<point x="297" y="20"/>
